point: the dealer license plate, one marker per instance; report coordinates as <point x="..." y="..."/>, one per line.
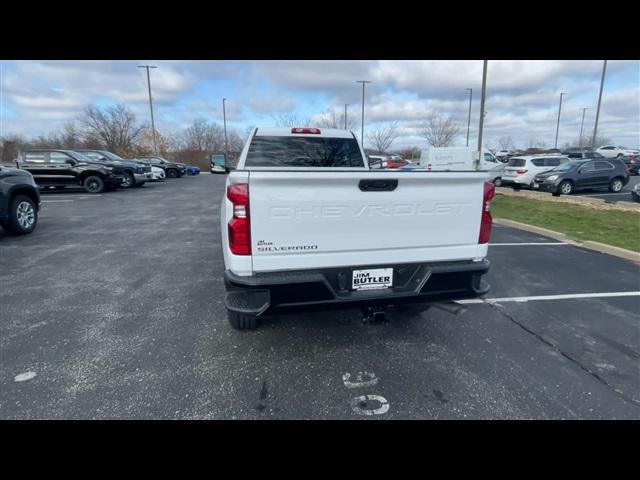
<point x="372" y="279"/>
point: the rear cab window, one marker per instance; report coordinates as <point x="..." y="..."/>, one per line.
<point x="517" y="162"/>
<point x="304" y="152"/>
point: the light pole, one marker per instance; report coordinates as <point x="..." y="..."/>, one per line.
<point x="345" y="115"/>
<point x="362" y="130"/>
<point x="595" y="128"/>
<point x="153" y="126"/>
<point x="469" y="120"/>
<point x="581" y="126"/>
<point x="224" y="119"/>
<point x="555" y="145"/>
<point x="482" y="98"/>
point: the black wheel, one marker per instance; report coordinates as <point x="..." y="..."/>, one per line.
<point x="565" y="187"/>
<point x="619" y="156"/>
<point x="240" y="321"/>
<point x="171" y="173"/>
<point x="93" y="184"/>
<point x="23" y="216"/>
<point x="497" y="182"/>
<point x="128" y="180"/>
<point x="616" y="185"/>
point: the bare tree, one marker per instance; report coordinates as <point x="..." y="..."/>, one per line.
<point x="334" y="118"/>
<point x="587" y="140"/>
<point x="114" y="128"/>
<point x="382" y="137"/>
<point x="203" y="136"/>
<point x="440" y="131"/>
<point x="505" y="143"/>
<point x="11" y="146"/>
<point x="290" y="119"/>
<point x="410" y="153"/>
<point x="537" y="143"/>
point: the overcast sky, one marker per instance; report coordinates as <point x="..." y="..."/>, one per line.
<point x="522" y="96"/>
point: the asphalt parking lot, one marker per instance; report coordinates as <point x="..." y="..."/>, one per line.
<point x="112" y="308"/>
<point x="623" y="196"/>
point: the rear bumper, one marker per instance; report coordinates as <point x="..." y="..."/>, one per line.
<point x="413" y="283"/>
<point x="510" y="181"/>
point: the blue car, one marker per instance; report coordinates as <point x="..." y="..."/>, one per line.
<point x="191" y="170"/>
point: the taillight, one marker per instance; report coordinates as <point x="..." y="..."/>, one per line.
<point x="521" y="171"/>
<point x="485" y="222"/>
<point x="305" y="130"/>
<point x="239" y="226"/>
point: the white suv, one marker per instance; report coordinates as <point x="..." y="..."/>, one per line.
<point x="611" y="151"/>
<point x="520" y="171"/>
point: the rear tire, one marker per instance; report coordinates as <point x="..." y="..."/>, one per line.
<point x="616" y="185"/>
<point x="497" y="182"/>
<point x="171" y="173"/>
<point x="241" y="321"/>
<point x="93" y="184"/>
<point x="23" y="216"/>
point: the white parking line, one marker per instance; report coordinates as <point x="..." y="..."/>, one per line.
<point x="526" y="243"/>
<point x="548" y="297"/>
<point x="56" y="201"/>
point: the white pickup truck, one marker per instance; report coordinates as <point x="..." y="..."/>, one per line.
<point x="305" y="222"/>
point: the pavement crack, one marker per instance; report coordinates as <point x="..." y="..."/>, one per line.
<point x="573" y="360"/>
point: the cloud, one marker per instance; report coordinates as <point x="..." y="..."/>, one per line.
<point x="522" y="96"/>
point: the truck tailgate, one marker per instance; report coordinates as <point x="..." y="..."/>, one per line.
<point x="312" y="219"/>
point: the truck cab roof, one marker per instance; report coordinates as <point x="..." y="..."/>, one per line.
<point x="304" y="132"/>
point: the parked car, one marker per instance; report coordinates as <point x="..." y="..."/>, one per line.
<point x="134" y="174"/>
<point x="336" y="242"/>
<point x="611" y="151"/>
<point x="520" y="171"/>
<point x="158" y="174"/>
<point x="578" y="154"/>
<point x="503" y="155"/>
<point x="19" y="201"/>
<point x="218" y="163"/>
<point x="635" y="193"/>
<point x="633" y="163"/>
<point x="192" y="170"/>
<point x="171" y="170"/>
<point x="580" y="175"/>
<point x="495" y="174"/>
<point x="376" y="161"/>
<point x="65" y="168"/>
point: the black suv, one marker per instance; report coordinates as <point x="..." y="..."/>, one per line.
<point x="171" y="170"/>
<point x="19" y="201"/>
<point x="134" y="174"/>
<point x="64" y="168"/>
<point x="580" y="175"/>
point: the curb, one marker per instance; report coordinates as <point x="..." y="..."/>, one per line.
<point x="588" y="244"/>
<point x="570" y="199"/>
